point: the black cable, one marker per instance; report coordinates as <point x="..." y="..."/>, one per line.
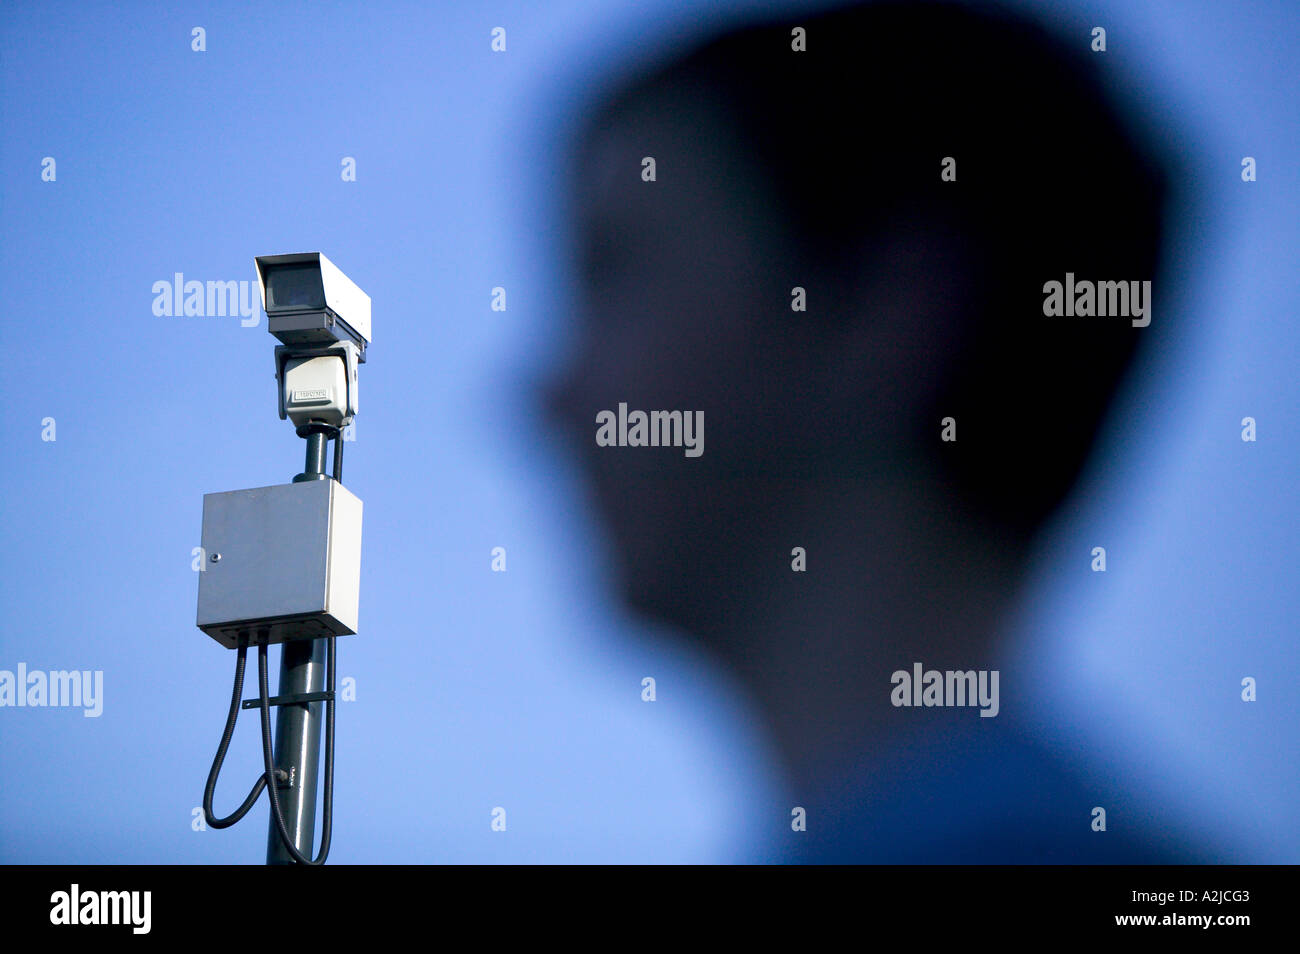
<point x="211" y="788"/>
<point x="338" y="457"/>
<point x="327" y="822"/>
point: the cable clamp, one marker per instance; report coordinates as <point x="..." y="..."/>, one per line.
<point x="292" y="699"/>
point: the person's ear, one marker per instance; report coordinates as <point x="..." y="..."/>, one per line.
<point x="905" y="309"/>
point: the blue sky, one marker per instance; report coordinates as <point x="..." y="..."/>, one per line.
<point x="477" y="689"/>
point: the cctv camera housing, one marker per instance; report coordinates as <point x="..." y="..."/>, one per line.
<point x="310" y="303"/>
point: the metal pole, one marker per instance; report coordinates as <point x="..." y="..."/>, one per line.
<point x="297" y="727"/>
<point x="316" y="442"/>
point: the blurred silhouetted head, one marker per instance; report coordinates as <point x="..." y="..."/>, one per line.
<point x="821" y="169"/>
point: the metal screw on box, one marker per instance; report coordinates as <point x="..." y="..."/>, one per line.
<point x="286" y="559"/>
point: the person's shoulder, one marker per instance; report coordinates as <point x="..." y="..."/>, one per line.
<point x="988" y="796"/>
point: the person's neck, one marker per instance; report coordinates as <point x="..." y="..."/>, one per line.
<point x="896" y="574"/>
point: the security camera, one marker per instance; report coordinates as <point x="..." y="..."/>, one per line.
<point x="323" y="321"/>
<point x="309" y="302"/>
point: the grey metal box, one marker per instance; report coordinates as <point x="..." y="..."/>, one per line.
<point x="286" y="558"/>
